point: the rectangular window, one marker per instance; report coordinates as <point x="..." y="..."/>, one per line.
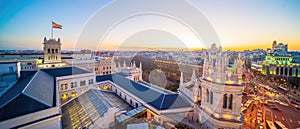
<point x="82" y="83"/>
<point x="63" y="86"/>
<point x="91" y="81"/>
<point x="64" y="96"/>
<point x="74" y="94"/>
<point x="73" y="84"/>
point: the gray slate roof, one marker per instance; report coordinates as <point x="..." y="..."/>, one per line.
<point x="157" y="99"/>
<point x="14" y="103"/>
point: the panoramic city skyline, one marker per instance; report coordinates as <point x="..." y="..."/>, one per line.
<point x="239" y="25"/>
<point x="150" y="64"/>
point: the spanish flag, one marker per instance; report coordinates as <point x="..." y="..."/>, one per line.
<point x="58" y="26"/>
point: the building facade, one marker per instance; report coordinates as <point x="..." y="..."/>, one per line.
<point x="131" y="72"/>
<point x="104" y="65"/>
<point x="221" y="87"/>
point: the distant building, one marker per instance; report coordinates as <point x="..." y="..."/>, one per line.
<point x="104" y="65"/>
<point x="278" y="49"/>
<point x="280" y="64"/>
<point x="131" y="72"/>
<point x="9" y="75"/>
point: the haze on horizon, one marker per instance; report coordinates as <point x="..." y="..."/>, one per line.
<point x="240" y="25"/>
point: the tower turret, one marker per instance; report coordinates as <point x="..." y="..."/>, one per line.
<point x="221" y="87"/>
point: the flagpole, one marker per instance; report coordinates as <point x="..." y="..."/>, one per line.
<point x="52" y="31"/>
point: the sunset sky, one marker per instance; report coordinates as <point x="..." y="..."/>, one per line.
<point x="239" y="24"/>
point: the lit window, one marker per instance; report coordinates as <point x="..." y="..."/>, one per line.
<point x="73" y="84"/>
<point x="105" y="87"/>
<point x="63" y="86"/>
<point x="82" y="91"/>
<point x="82" y="83"/>
<point x="64" y="96"/>
<point x="74" y="94"/>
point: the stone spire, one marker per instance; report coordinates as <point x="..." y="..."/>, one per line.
<point x="193" y="78"/>
<point x="45" y="39"/>
<point x="124" y="64"/>
<point x="196" y="91"/>
<point x="119" y="67"/>
<point x="181" y="78"/>
<point x="141" y="66"/>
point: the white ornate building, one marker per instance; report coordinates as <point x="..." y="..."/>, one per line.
<point x="221" y="86"/>
<point x="190" y="89"/>
<point x="219" y="91"/>
<point x="131" y="72"/>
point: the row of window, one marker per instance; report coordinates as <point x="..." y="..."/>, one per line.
<point x="227" y="100"/>
<point x="107" y="67"/>
<point x="52" y="57"/>
<point x="286" y="71"/>
<point x="227" y="103"/>
<point x="74" y="84"/>
<point x="56" y="50"/>
<point x="73" y="94"/>
<point x="106" y="62"/>
<point x="107" y="72"/>
<point x="286" y="59"/>
<point x="27" y="67"/>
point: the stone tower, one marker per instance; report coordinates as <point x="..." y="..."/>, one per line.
<point x="52" y="54"/>
<point x="221" y="87"/>
<point x="52" y="50"/>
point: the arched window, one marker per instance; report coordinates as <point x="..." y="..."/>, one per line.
<point x="56" y="51"/>
<point x="230" y="101"/>
<point x="48" y="50"/>
<point x="225" y="101"/>
<point x="211" y="97"/>
<point x="290" y="71"/>
<point x="277" y="70"/>
<point x="116" y="91"/>
<point x="281" y="70"/>
<point x="52" y="50"/>
<point x="207" y="95"/>
<point x="136" y="105"/>
<point x="130" y="101"/>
